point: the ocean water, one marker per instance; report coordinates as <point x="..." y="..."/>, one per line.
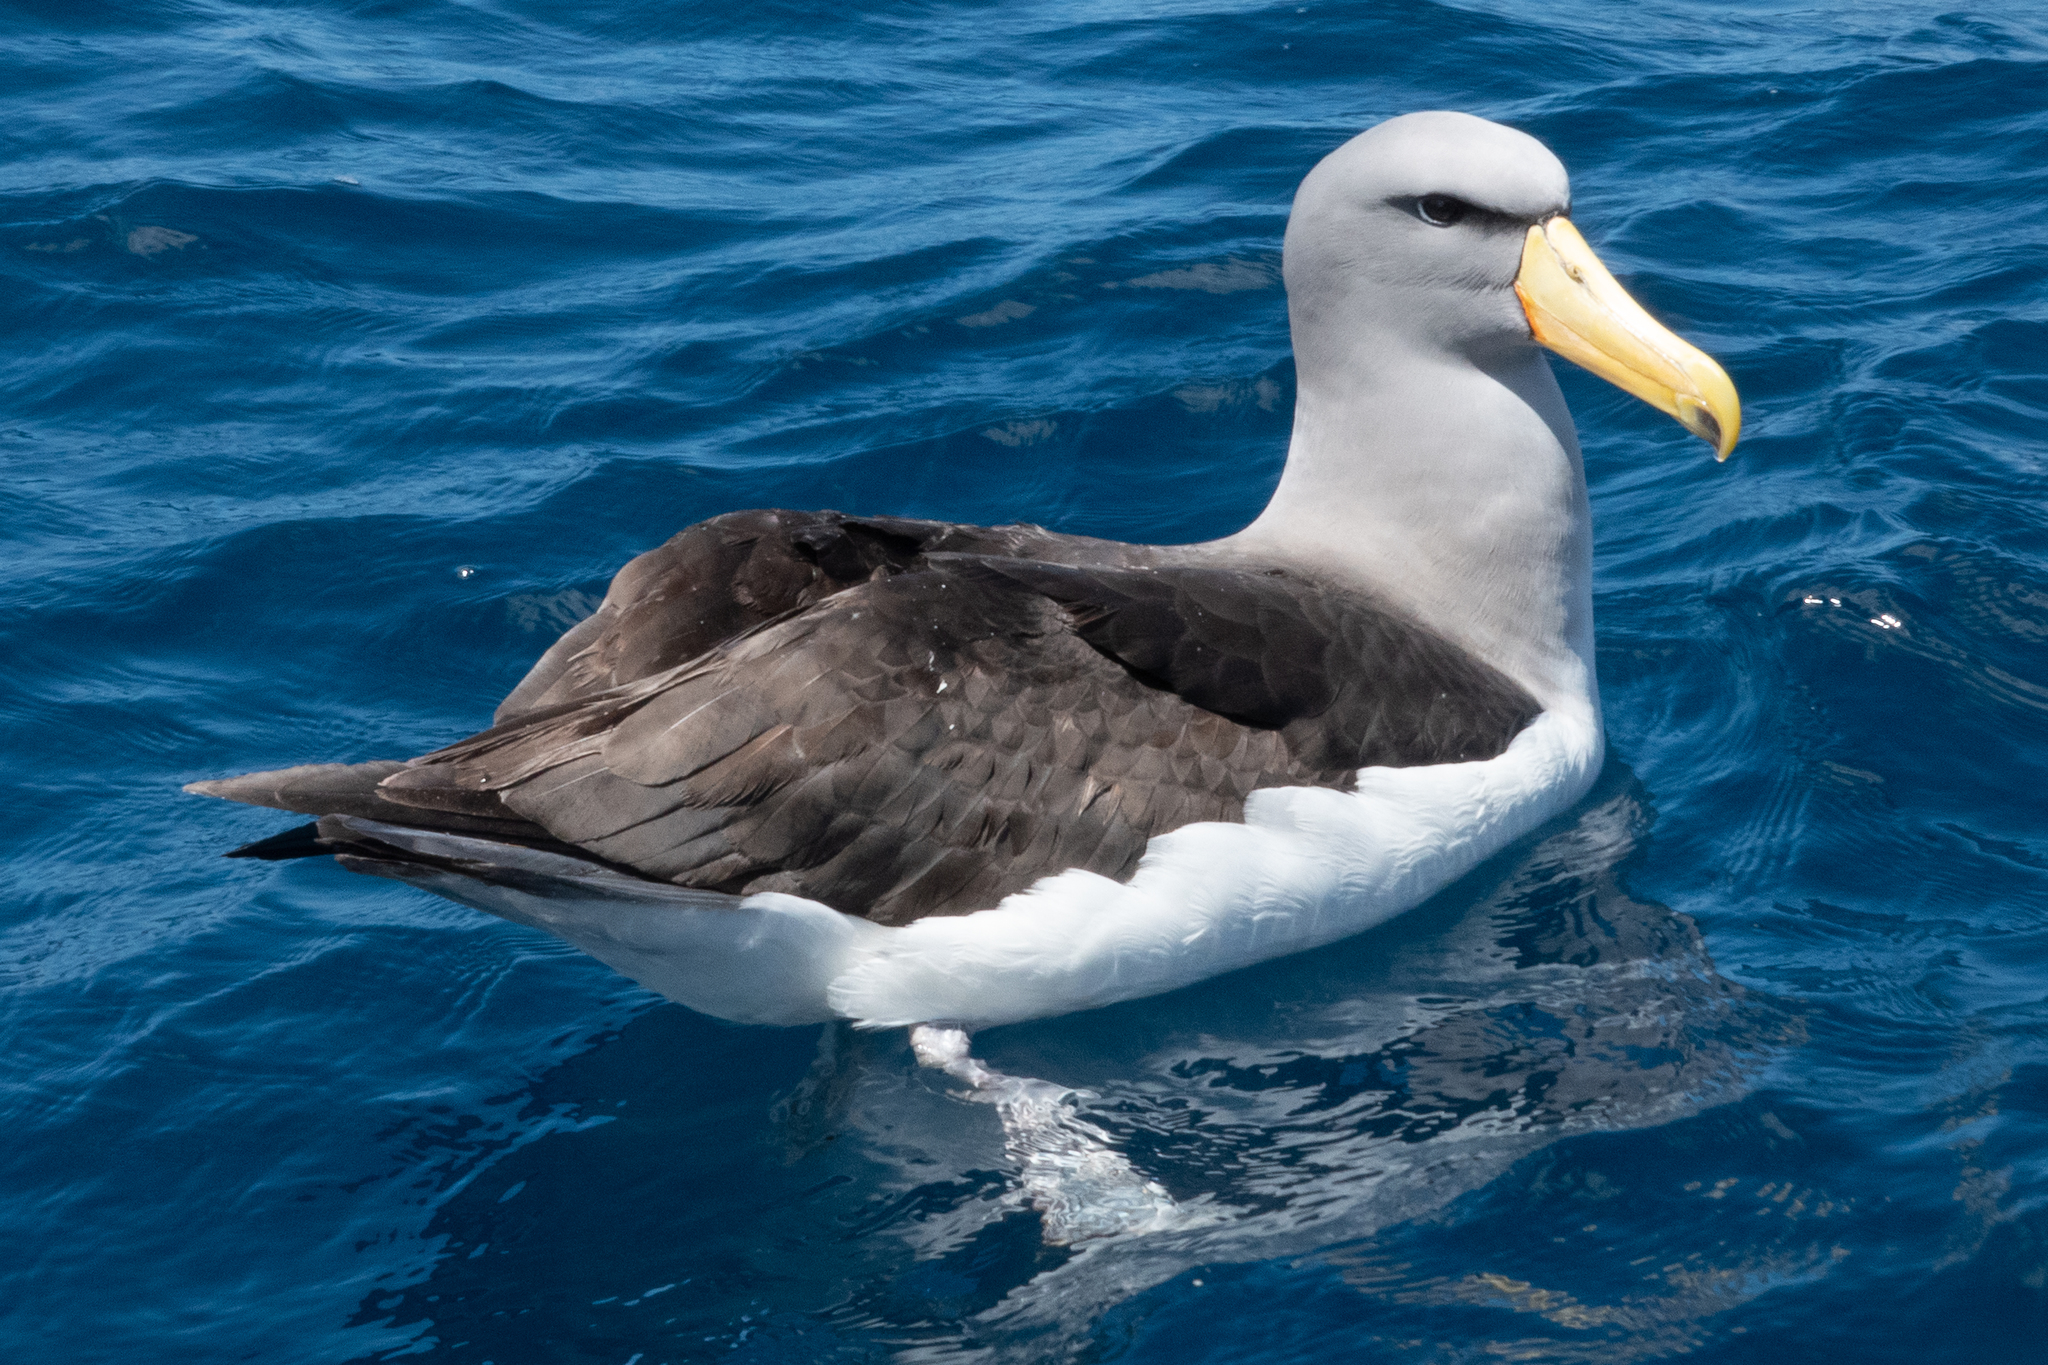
<point x="347" y="348"/>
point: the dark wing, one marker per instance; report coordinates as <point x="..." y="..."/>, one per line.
<point x="1347" y="683"/>
<point x="901" y="718"/>
<point x="923" y="743"/>
<point x="734" y="573"/>
<point x="932" y="741"/>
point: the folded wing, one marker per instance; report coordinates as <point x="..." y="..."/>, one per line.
<point x="901" y="718"/>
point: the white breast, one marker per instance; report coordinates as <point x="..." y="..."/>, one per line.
<point x="1308" y="866"/>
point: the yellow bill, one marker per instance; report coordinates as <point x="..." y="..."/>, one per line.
<point x="1576" y="309"/>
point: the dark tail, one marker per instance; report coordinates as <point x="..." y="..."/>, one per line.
<point x="351" y="789"/>
<point x="301" y="841"/>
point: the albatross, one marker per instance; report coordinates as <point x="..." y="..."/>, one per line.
<point x="804" y="766"/>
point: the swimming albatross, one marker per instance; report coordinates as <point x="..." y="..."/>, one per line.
<point x="802" y="766"/>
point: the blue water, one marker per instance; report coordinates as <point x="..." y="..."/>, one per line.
<point x="348" y="348"/>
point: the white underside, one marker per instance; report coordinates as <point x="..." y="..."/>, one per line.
<point x="1307" y="866"/>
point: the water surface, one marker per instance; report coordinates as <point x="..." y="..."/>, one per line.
<point x="349" y="348"/>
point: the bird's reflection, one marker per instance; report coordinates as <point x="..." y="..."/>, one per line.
<point x="812" y="1190"/>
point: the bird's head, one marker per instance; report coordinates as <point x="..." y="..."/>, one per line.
<point x="1445" y="232"/>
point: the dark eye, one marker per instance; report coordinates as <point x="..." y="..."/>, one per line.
<point x="1440" y="210"/>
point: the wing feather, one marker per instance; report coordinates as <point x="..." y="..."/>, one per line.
<point x="902" y="718"/>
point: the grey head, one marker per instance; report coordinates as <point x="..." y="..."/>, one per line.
<point x="1412" y="233"/>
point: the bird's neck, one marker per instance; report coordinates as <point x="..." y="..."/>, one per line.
<point x="1453" y="490"/>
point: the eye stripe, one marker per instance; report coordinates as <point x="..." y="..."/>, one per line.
<point x="1448" y="210"/>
